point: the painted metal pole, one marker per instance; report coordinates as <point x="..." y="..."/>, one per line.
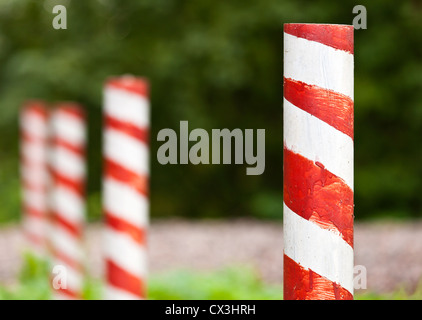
<point x="125" y="186"/>
<point x="34" y="178"/>
<point x="67" y="197"/>
<point x="318" y="161"/>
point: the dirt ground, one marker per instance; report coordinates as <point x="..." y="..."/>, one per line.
<point x="390" y="252"/>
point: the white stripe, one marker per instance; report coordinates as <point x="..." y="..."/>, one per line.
<point x="125" y="203"/>
<point x="35" y="225"/>
<point x="318" y="64"/>
<point x="67" y="163"/>
<point x="320" y="250"/>
<point x="34" y="176"/>
<point x="127" y="151"/>
<point x="125" y="252"/>
<point x="126" y="106"/>
<point x="68" y="204"/>
<point x="34" y="172"/>
<point x="35" y="199"/>
<point x="34" y="124"/>
<point x="318" y="141"/>
<point x="68" y="128"/>
<point x="34" y="152"/>
<point x="113" y="293"/>
<point x="65" y="242"/>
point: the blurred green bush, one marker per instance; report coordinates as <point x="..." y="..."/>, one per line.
<point x="217" y="64"/>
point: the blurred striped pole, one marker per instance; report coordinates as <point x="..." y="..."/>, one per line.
<point x="318" y="161"/>
<point x="125" y="186"/>
<point x="34" y="178"/>
<point x="67" y="195"/>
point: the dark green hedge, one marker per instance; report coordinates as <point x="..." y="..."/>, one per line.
<point x="217" y="64"/>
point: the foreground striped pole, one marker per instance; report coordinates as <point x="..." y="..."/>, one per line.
<point x="125" y="186"/>
<point x="318" y="161"/>
<point x="67" y="199"/>
<point x="33" y="145"/>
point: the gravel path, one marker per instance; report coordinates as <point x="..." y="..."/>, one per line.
<point x="390" y="252"/>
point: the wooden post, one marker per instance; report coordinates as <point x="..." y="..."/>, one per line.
<point x="67" y="197"/>
<point x="125" y="186"/>
<point x="33" y="149"/>
<point x="318" y="161"/>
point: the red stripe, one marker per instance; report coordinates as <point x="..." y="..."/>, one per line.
<point x="74" y="229"/>
<point x="124" y="280"/>
<point x="72" y="109"/>
<point x="336" y="36"/>
<point x="29" y="138"/>
<point x="35" y="106"/>
<point x="119" y="173"/>
<point x="34" y="238"/>
<point x="76" y="185"/>
<point x="69" y="261"/>
<point x="30" y="163"/>
<point x="304" y="284"/>
<point x="78" y="150"/>
<point x="137" y="233"/>
<point x="34" y="213"/>
<point x="315" y="194"/>
<point x="331" y="107"/>
<point x="69" y="294"/>
<point x="34" y="187"/>
<point x="140" y="134"/>
<point x="131" y="84"/>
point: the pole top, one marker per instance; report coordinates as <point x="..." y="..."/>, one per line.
<point x="337" y="36"/>
<point x="133" y="84"/>
<point x="38" y="106"/>
<point x="71" y="108"/>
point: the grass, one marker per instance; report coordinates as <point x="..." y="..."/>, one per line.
<point x="231" y="283"/>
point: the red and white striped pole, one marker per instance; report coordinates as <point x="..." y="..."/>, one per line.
<point x="67" y="196"/>
<point x="318" y="161"/>
<point x="34" y="178"/>
<point x="125" y="186"/>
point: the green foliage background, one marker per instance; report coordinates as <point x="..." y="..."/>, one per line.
<point x="217" y="64"/>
